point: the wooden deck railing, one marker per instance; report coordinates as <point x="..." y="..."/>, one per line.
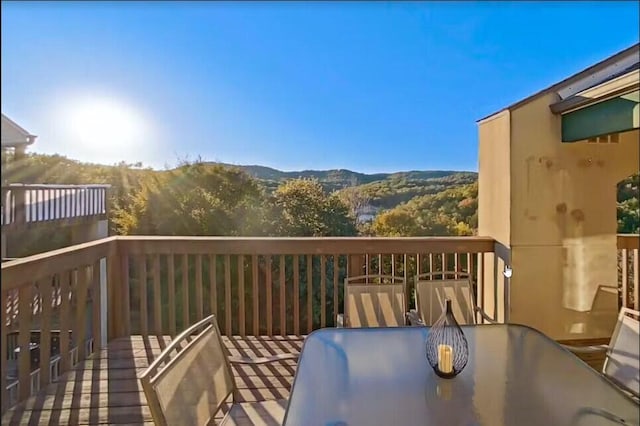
<point x="29" y="204"/>
<point x="266" y="286"/>
<point x="58" y="290"/>
<point x="159" y="285"/>
<point x="121" y="286"/>
<point x="629" y="270"/>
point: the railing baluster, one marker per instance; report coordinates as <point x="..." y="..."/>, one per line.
<point x="636" y="280"/>
<point x="323" y="291"/>
<point x="63" y="203"/>
<point x="199" y="298"/>
<point x="336" y="285"/>
<point x="625" y="278"/>
<point x="65" y="319"/>
<point x="283" y="300"/>
<point x="296" y="295"/>
<point x="171" y="291"/>
<point x="431" y="265"/>
<point x="227" y="295"/>
<point x="142" y="287"/>
<point x="45" y="331"/>
<point x="269" y="298"/>
<point x="213" y="285"/>
<point x="480" y="283"/>
<point x="81" y="310"/>
<point x="241" y="296"/>
<point x="96" y="307"/>
<point x="25" y="295"/>
<point x="157" y="297"/>
<point x="309" y="265"/>
<point x="55" y="204"/>
<point x="255" y="295"/>
<point x="46" y="215"/>
<point x="126" y="293"/>
<point x="185" y="291"/>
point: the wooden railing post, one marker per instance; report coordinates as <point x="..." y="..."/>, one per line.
<point x="19" y="207"/>
<point x="116" y="308"/>
<point x="355" y="265"/>
<point x="629" y="284"/>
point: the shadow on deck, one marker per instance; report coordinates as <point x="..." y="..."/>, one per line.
<point x="105" y="389"/>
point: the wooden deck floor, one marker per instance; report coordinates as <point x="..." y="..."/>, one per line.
<point x="106" y="389"/>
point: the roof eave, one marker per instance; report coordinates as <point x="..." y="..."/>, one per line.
<point x="572" y="79"/>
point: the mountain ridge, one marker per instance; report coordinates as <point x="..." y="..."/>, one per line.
<point x="271" y="173"/>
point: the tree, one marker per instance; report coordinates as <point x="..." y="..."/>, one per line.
<point x="628" y="207"/>
<point x="195" y="199"/>
<point x="354" y="198"/>
<point x="302" y="208"/>
<point x="450" y="212"/>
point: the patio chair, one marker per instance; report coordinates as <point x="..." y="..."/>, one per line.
<point x="431" y="295"/>
<point x="373" y="301"/>
<point x="602" y="317"/>
<point x="192" y="378"/>
<point x="622" y="353"/>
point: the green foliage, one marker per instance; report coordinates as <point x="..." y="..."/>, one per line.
<point x="195" y="199"/>
<point x="628" y="207"/>
<point x="302" y="208"/>
<point x="450" y="212"/>
<point x="215" y="199"/>
<point x="400" y="188"/>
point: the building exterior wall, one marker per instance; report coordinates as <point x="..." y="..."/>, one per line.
<point x="494" y="183"/>
<point x="494" y="189"/>
<point x="563" y="224"/>
<point x="11" y="136"/>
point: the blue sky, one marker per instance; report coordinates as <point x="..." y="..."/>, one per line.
<point x="367" y="86"/>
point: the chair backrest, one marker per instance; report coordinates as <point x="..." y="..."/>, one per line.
<point x="623" y="356"/>
<point x="431" y="294"/>
<point x="604" y="311"/>
<point x="191" y="379"/>
<point x="605" y="300"/>
<point x="374" y="301"/>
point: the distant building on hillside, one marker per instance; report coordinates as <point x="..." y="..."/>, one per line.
<point x="31" y="209"/>
<point x="366" y="213"/>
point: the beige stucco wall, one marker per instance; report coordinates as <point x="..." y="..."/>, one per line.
<point x="494" y="181"/>
<point x="562" y="222"/>
<point x="494" y="187"/>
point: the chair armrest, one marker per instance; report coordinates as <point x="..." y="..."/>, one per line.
<point x="340" y="321"/>
<point x="591" y="411"/>
<point x="413" y="318"/>
<point x="485" y="316"/>
<point x="263" y="360"/>
<point x="586" y="349"/>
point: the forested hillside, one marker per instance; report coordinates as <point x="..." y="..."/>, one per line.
<point x="200" y="198"/>
<point x="382" y="190"/>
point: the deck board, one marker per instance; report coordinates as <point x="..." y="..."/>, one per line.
<point x="105" y="389"/>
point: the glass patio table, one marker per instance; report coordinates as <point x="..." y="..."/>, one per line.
<point x="515" y="376"/>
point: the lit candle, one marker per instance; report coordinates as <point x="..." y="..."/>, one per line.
<point x="445" y="358"/>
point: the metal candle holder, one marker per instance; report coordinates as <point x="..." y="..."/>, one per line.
<point x="447" y="348"/>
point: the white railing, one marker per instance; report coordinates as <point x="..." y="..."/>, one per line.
<point x="42" y="203"/>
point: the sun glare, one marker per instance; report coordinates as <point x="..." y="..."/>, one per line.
<point x="104" y="130"/>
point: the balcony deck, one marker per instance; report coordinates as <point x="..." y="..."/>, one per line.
<point x="31" y="205"/>
<point x="105" y="389"/>
<point x="127" y="290"/>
